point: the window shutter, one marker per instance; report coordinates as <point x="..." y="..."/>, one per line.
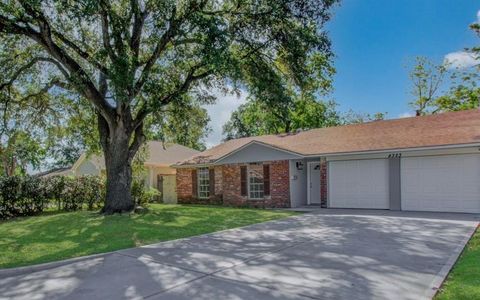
<point x="243" y="180"/>
<point x="266" y="180"/>
<point x="212" y="182"/>
<point x="194" y="183"/>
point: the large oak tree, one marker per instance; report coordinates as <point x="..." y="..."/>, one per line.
<point x="130" y="58"/>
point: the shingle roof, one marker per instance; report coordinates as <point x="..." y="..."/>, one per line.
<point x="54" y="172"/>
<point x="168" y="154"/>
<point x="452" y="128"/>
<point x="160" y="154"/>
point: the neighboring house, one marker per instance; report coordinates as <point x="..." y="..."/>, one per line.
<point x="428" y="163"/>
<point x="160" y="174"/>
<point x="55" y="172"/>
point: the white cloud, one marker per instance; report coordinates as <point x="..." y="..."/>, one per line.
<point x="220" y="113"/>
<point x="461" y="59"/>
<point x="407" y="114"/>
<point x="478" y="16"/>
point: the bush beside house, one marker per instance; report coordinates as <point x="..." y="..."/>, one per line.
<point x="30" y="195"/>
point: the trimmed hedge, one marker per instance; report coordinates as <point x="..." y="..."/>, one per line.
<point x="29" y="195"/>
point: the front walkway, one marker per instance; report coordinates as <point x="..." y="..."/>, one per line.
<point x="329" y="254"/>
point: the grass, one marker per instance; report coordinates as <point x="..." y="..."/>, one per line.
<point x="57" y="236"/>
<point x="463" y="282"/>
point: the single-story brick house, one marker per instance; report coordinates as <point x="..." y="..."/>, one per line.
<point x="426" y="163"/>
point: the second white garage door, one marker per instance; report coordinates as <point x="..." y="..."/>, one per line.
<point x="449" y="183"/>
<point x="358" y="184"/>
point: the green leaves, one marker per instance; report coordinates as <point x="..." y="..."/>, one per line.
<point x="259" y="118"/>
<point x="183" y="122"/>
<point x="135" y="63"/>
<point x="441" y="88"/>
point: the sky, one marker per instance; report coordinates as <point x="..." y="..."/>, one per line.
<point x="374" y="42"/>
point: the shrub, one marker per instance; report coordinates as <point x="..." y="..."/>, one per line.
<point x="93" y="191"/>
<point x="143" y="195"/>
<point x="30" y="195"/>
<point x="9" y="193"/>
<point x="77" y="193"/>
<point x="54" y="187"/>
<point x="32" y="198"/>
<point x="21" y="196"/>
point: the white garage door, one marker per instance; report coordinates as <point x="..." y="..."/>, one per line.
<point x="448" y="183"/>
<point x="358" y="184"/>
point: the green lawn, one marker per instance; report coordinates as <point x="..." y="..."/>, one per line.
<point x="463" y="282"/>
<point x="57" y="236"/>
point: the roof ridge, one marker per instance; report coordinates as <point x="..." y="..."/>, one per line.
<point x="432" y="116"/>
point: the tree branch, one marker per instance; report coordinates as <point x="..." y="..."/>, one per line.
<point x="102" y="85"/>
<point x="138" y="140"/>
<point x="108" y="16"/>
<point x="139" y="20"/>
<point x="30" y="64"/>
<point x="189" y="79"/>
<point x="105" y="31"/>
<point x="44" y="38"/>
<point x="83" y="54"/>
<point x="159" y="48"/>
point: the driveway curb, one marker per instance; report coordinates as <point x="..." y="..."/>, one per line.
<point x="442" y="275"/>
<point x="46" y="266"/>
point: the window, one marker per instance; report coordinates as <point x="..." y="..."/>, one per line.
<point x="203" y="183"/>
<point x="255" y="181"/>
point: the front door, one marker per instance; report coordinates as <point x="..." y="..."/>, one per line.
<point x="314" y="183"/>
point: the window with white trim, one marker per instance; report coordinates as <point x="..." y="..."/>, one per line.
<point x="255" y="181"/>
<point x="203" y="177"/>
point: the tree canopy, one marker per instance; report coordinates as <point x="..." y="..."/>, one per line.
<point x="129" y="59"/>
<point x="258" y="118"/>
<point x="442" y="87"/>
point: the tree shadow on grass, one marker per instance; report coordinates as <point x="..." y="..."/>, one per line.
<point x="60" y="236"/>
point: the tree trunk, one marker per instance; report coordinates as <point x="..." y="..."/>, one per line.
<point x="115" y="143"/>
<point x="119" y="180"/>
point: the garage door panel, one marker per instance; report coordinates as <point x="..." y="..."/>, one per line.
<point x="359" y="184"/>
<point x="448" y="183"/>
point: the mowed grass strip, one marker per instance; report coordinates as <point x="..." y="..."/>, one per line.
<point x="56" y="236"/>
<point x="463" y="282"/>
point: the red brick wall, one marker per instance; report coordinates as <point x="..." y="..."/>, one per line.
<point x="218" y="180"/>
<point x="279" y="187"/>
<point x="231" y="185"/>
<point x="323" y="183"/>
<point x="184" y="189"/>
<point x="280" y="184"/>
<point x="184" y="184"/>
<point x="227" y="186"/>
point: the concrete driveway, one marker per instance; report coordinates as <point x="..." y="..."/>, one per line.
<point x="329" y="254"/>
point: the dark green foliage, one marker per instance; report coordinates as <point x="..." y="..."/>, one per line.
<point x="258" y="118"/>
<point x="184" y="122"/>
<point x="30" y="195"/>
<point x="142" y="195"/>
<point x="130" y="59"/>
<point x="79" y="192"/>
<point x="352" y="117"/>
<point x="21" y="196"/>
<point x="9" y="193"/>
